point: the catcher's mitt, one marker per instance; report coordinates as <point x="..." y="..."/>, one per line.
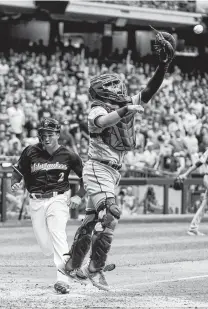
<point x="178" y="184"/>
<point x="165" y="46"/>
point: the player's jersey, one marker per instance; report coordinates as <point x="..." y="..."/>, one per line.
<point x="45" y="173"/>
<point x="97" y="148"/>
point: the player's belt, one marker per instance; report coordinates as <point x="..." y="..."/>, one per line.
<point x="116" y="167"/>
<point x="44" y="195"/>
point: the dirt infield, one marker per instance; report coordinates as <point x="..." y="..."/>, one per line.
<point x="158" y="265"/>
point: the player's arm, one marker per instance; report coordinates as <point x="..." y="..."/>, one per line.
<point x="193" y="167"/>
<point x="77" y="167"/>
<point x="114" y="117"/>
<point x="22" y="166"/>
<point x="154" y="83"/>
<point x="165" y="43"/>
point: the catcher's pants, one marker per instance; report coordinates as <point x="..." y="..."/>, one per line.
<point x="49" y="218"/>
<point x="100" y="182"/>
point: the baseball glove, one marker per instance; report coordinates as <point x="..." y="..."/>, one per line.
<point x="178" y="184"/>
<point x="165" y="46"/>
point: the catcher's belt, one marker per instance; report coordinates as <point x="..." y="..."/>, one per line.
<point x="44" y="195"/>
<point x="115" y="166"/>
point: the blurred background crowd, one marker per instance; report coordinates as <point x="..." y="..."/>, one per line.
<point x="34" y="84"/>
<point x="186" y="6"/>
<point x="39" y="79"/>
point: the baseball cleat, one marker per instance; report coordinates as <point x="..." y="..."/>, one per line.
<point x="61" y="287"/>
<point x="195" y="233"/>
<point x="71" y="274"/>
<point x="109" y="267"/>
<point x="96" y="278"/>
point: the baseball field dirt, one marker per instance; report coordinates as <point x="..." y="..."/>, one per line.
<point x="157" y="266"/>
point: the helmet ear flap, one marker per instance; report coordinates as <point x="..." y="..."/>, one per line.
<point x="92" y="93"/>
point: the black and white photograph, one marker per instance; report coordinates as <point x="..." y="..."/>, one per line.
<point x="103" y="154"/>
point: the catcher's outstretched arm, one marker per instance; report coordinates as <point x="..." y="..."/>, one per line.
<point x="154" y="83"/>
<point x="165" y="48"/>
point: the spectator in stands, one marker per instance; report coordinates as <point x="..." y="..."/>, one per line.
<point x="66" y="138"/>
<point x="16" y="117"/>
<point x="180" y="149"/>
<point x="3" y="141"/>
<point x="192" y="145"/>
<point x="150" y="155"/>
<point x="33" y="139"/>
<point x="14" y="144"/>
<point x="4" y="117"/>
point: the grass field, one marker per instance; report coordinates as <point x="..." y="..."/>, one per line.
<point x="158" y="265"/>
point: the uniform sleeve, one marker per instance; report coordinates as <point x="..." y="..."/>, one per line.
<point x="203" y="159"/>
<point x="23" y="165"/>
<point x="77" y="165"/>
<point x="136" y="99"/>
<point x="95" y="113"/>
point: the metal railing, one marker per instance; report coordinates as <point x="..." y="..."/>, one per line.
<point x="166" y="182"/>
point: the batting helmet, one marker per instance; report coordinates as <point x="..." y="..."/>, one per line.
<point x="108" y="87"/>
<point x="49" y="124"/>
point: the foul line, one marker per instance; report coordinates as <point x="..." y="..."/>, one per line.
<point x="167" y="281"/>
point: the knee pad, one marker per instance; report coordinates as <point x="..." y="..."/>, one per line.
<point x="101" y="240"/>
<point x="82" y="241"/>
<point x="109" y="213"/>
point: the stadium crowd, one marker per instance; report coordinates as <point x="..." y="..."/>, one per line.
<point x="33" y="85"/>
<point x="184" y="5"/>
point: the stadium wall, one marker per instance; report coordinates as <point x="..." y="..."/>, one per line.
<point x="33" y="30"/>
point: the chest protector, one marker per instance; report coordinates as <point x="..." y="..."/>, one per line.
<point x="120" y="137"/>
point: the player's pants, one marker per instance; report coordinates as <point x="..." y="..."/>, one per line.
<point x="49" y="219"/>
<point x="201" y="210"/>
<point x="100" y="182"/>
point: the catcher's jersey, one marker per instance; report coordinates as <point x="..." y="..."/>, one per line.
<point x="46" y="173"/>
<point x="97" y="148"/>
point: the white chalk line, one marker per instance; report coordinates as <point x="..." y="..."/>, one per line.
<point x="161" y="281"/>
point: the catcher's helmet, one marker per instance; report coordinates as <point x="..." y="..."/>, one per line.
<point x="49" y="124"/>
<point x="108" y="87"/>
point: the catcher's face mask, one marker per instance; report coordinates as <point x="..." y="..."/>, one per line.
<point x="116" y="86"/>
<point x="109" y="87"/>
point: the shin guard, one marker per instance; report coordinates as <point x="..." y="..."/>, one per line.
<point x="82" y="242"/>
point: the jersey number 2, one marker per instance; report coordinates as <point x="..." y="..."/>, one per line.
<point x="61" y="177"/>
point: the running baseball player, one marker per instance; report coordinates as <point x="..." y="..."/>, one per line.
<point x="45" y="168"/>
<point x="112" y="134"/>
<point x="194" y="226"/>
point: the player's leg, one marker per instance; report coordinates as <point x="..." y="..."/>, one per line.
<point x="82" y="239"/>
<point x="57" y="214"/>
<point x="194" y="226"/>
<point x="38" y="218"/>
<point x="101" y="183"/>
<point x="108" y="216"/>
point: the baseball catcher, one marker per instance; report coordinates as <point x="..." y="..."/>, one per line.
<point x="112" y="134"/>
